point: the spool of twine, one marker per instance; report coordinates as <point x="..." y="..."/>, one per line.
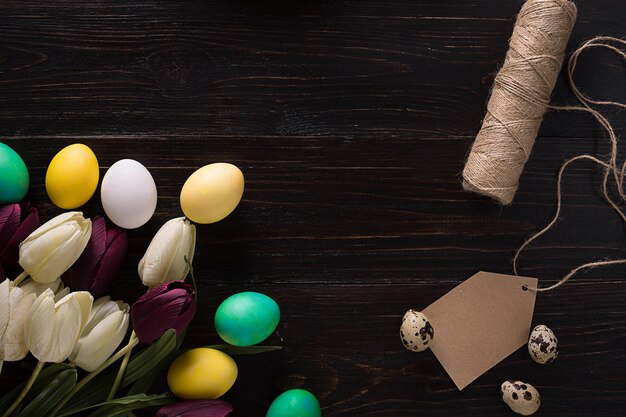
<point x="519" y="98"/>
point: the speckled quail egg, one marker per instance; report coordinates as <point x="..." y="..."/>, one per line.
<point x="543" y="345"/>
<point x="416" y="331"/>
<point x="522" y="397"/>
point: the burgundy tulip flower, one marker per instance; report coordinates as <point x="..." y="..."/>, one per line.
<point x="100" y="262"/>
<point x="197" y="408"/>
<point x="169" y="306"/>
<point x="17" y="221"/>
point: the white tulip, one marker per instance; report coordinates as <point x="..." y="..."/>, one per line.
<point x="105" y="330"/>
<point x="164" y="260"/>
<point x="52" y="248"/>
<point x="52" y="328"/>
<point x="14" y="306"/>
<point x="33" y="287"/>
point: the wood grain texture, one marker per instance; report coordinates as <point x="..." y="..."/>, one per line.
<point x="351" y="121"/>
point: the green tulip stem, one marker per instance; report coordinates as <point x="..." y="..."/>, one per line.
<point x="21" y="277"/>
<point x="193" y="278"/>
<point x="131" y="344"/>
<point x="29" y="384"/>
<point x="121" y="371"/>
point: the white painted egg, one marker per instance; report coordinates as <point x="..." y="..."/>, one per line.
<point x="128" y="194"/>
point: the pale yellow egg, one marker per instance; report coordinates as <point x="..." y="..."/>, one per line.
<point x="72" y="176"/>
<point x="202" y="373"/>
<point x="212" y="192"/>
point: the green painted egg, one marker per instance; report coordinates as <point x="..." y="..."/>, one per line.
<point x="295" y="403"/>
<point x="246" y="318"/>
<point x="14" y="180"/>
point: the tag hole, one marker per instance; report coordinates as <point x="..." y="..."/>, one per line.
<point x="524" y="288"/>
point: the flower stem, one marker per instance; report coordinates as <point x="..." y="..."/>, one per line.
<point x="122" y="370"/>
<point x="132" y="343"/>
<point x="1" y="363"/>
<point x="27" y="388"/>
<point x="193" y="278"/>
<point x="21" y="277"/>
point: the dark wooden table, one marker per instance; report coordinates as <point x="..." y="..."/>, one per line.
<point x="351" y="121"/>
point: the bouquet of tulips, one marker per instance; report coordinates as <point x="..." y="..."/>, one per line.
<point x="83" y="328"/>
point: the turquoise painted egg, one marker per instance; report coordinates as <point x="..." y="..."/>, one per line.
<point x="14" y="179"/>
<point x="246" y="318"/>
<point x="295" y="403"/>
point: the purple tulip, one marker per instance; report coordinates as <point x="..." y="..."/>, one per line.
<point x="197" y="408"/>
<point x="17" y="221"/>
<point x="169" y="306"/>
<point x="101" y="260"/>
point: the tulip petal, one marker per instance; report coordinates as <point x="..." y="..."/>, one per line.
<point x="14" y="307"/>
<point x="33" y="287"/>
<point x="9" y="221"/>
<point x="79" y="276"/>
<point x="56" y="221"/>
<point x="103" y="337"/>
<point x="97" y="241"/>
<point x="39" y="325"/>
<point x="71" y="313"/>
<point x="102" y="308"/>
<point x="10" y="256"/>
<point x="48" y="254"/>
<point x="111" y="263"/>
<point x="185" y="316"/>
<point x="160" y="308"/>
<point x="13" y="339"/>
<point x="197" y="408"/>
<point x="157" y="318"/>
<point x="5" y="288"/>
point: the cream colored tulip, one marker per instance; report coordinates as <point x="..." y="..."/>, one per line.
<point x="14" y="306"/>
<point x="105" y="330"/>
<point x="33" y="287"/>
<point x="52" y="328"/>
<point x="52" y="248"/>
<point x="164" y="260"/>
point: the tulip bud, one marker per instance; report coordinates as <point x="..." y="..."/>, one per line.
<point x="50" y="250"/>
<point x="197" y="408"/>
<point x="101" y="260"/>
<point x="52" y="329"/>
<point x="105" y="330"/>
<point x="14" y="306"/>
<point x="17" y="221"/>
<point x="165" y="258"/>
<point x="169" y="306"/>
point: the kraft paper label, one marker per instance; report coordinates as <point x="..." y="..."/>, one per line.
<point x="480" y="322"/>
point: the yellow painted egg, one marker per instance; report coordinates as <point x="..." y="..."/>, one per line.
<point x="72" y="176"/>
<point x="212" y="192"/>
<point x="202" y="373"/>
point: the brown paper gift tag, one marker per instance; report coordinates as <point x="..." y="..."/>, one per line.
<point x="480" y="322"/>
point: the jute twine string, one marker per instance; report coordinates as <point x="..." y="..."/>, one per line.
<point x="519" y="98"/>
<point x="612" y="169"/>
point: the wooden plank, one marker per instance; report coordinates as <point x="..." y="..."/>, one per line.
<point x="399" y="68"/>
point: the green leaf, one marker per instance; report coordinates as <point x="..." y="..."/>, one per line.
<point x="141" y="363"/>
<point x="51" y="395"/>
<point x="94" y="392"/>
<point x="125" y="404"/>
<point x="144" y="383"/>
<point x="244" y="350"/>
<point x="43" y="380"/>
